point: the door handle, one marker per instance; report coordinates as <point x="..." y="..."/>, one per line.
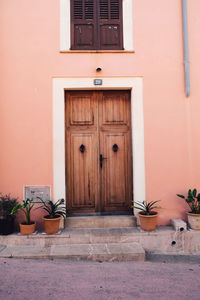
<point x="101" y="158"/>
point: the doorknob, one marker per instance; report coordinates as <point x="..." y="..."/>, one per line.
<point x="115" y="147"/>
<point x="101" y="158"/>
<point x="82" y="148"/>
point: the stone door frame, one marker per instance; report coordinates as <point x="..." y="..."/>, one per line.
<point x="135" y="85"/>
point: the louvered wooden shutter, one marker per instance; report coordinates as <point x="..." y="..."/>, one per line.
<point x="83" y="24"/>
<point x="96" y="24"/>
<point x="110" y="24"/>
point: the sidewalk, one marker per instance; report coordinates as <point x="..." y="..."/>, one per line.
<point x="106" y="244"/>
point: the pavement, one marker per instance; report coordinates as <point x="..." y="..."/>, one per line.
<point x="95" y="252"/>
<point x="38" y="279"/>
<point x="107" y="244"/>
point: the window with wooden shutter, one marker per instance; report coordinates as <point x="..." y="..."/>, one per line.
<point x="96" y="25"/>
<point x="83" y="27"/>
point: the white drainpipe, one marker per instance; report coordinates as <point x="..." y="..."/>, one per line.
<point x="186" y="49"/>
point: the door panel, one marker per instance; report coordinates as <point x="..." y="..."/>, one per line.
<point x="114" y="169"/>
<point x="115" y="146"/>
<point x="98" y="124"/>
<point x="114" y="109"/>
<point x="81" y="109"/>
<point x="82" y="171"/>
<point x="81" y="152"/>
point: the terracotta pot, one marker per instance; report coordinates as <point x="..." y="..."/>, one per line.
<point x="148" y="222"/>
<point x="194" y="221"/>
<point x="27" y="229"/>
<point x="51" y="226"/>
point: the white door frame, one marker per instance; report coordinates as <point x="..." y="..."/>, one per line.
<point x="135" y="84"/>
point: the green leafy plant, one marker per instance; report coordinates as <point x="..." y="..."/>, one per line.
<point x="54" y="210"/>
<point x="6" y="205"/>
<point x="26" y="207"/>
<point x="146" y="208"/>
<point x="193" y="200"/>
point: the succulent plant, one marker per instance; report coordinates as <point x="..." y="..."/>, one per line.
<point x="193" y="200"/>
<point x="26" y="208"/>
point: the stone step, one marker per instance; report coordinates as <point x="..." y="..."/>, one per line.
<point x="74" y="236"/>
<point x="95" y="252"/>
<point x="119" y="221"/>
<point x="164" y="240"/>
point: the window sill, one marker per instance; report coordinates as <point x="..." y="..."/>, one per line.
<point x="96" y="51"/>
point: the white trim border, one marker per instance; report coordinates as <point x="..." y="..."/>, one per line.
<point x="135" y="84"/>
<point x="65" y="40"/>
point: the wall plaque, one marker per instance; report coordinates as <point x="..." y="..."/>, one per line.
<point x="37" y="191"/>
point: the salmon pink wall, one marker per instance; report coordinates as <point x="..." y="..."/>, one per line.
<point x="30" y="58"/>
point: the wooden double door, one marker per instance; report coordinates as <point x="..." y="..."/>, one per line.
<point x="98" y="152"/>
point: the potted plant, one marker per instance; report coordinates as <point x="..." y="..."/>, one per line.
<point x="193" y="200"/>
<point x="28" y="226"/>
<point x="55" y="212"/>
<point x="6" y="219"/>
<point x="147" y="215"/>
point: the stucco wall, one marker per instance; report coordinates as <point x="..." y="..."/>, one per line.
<point x="30" y="58"/>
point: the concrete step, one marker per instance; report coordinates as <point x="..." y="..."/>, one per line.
<point x="73" y="236"/>
<point x="119" y="221"/>
<point x="95" y="252"/>
<point x="164" y="240"/>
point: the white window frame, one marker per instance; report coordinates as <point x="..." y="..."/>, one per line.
<point x="65" y="30"/>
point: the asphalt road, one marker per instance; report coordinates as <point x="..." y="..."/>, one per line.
<point x="22" y="279"/>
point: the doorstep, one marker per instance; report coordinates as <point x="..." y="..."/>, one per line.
<point x="110" y="221"/>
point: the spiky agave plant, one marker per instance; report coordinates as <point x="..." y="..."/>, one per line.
<point x="146" y="208"/>
<point x="54" y="210"/>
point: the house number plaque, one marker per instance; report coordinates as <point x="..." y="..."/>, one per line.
<point x="98" y="81"/>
